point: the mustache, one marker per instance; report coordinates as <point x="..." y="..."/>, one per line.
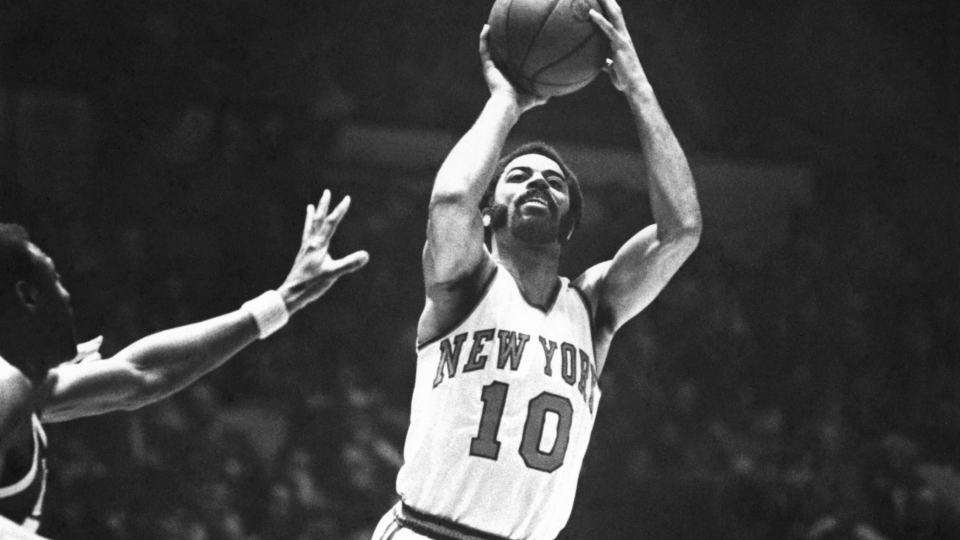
<point x="539" y="193"/>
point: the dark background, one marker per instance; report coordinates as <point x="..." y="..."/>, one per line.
<point x="797" y="379"/>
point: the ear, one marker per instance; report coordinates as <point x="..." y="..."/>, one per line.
<point x="28" y="295"/>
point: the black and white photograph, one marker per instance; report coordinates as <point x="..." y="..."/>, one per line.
<point x="479" y="270"/>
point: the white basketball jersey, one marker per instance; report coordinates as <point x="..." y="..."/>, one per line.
<point x="502" y="413"/>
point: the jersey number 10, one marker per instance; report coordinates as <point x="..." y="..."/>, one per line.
<point x="486" y="445"/>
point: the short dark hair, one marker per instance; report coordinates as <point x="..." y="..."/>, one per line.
<point x="17" y="262"/>
<point x="573" y="185"/>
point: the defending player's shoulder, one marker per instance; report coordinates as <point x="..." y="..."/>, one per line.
<point x="13" y="383"/>
<point x="16" y="398"/>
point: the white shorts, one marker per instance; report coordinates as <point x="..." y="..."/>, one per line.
<point x="390" y="528"/>
<point x="405" y="523"/>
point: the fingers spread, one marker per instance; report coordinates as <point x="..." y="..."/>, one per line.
<point x="330" y="224"/>
<point x="484" y="46"/>
<point x="340" y="210"/>
<point x="612" y="10"/>
<point x="307" y="223"/>
<point x="350" y="263"/>
<point x="603" y="23"/>
<point x="323" y="206"/>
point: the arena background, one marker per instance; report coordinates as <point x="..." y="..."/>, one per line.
<point x="798" y="379"/>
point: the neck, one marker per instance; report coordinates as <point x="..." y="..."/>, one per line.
<point x="535" y="268"/>
<point x="16" y="351"/>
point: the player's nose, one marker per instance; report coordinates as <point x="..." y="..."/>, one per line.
<point x="537" y="181"/>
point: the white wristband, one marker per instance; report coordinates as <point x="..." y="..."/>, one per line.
<point x="270" y="312"/>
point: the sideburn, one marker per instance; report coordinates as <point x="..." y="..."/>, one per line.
<point x="498" y="215"/>
<point x="566" y="227"/>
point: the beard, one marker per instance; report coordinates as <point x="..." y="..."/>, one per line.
<point x="535" y="229"/>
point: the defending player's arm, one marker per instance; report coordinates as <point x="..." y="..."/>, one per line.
<point x="163" y="363"/>
<point x="454" y="257"/>
<point x="638" y="272"/>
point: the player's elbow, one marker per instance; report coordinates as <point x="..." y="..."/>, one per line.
<point x="691" y="231"/>
<point x="685" y="236"/>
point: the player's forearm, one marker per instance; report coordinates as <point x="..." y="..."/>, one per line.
<point x="465" y="173"/>
<point x="170" y="360"/>
<point x="673" y="195"/>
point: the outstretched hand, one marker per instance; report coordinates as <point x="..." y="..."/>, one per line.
<point x="314" y="270"/>
<point x="498" y="83"/>
<point x="624" y="65"/>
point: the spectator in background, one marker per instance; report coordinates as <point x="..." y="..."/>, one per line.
<point x="37" y="338"/>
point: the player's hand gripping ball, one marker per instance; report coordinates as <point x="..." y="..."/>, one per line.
<point x="547" y="47"/>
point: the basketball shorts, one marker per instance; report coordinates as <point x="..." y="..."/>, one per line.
<point x="11" y="531"/>
<point x="405" y="523"/>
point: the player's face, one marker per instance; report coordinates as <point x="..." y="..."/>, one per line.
<point x="54" y="317"/>
<point x="534" y="193"/>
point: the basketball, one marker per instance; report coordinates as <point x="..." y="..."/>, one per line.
<point x="547" y="47"/>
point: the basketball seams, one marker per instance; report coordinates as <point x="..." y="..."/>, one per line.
<point x="566" y="55"/>
<point x="501" y="48"/>
<point x="506" y="37"/>
<point x="560" y="84"/>
<point x="546" y="42"/>
<point x="536" y="35"/>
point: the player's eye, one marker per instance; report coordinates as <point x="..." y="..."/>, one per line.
<point x="517" y="176"/>
<point x="556" y="182"/>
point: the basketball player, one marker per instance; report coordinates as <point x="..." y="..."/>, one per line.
<point x="509" y="353"/>
<point x="37" y="337"/>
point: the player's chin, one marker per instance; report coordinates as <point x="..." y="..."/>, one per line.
<point x="537" y="230"/>
<point x="66" y="340"/>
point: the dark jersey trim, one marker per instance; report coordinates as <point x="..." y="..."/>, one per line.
<point x="590" y="317"/>
<point x="550" y="303"/>
<point x="23" y="500"/>
<point x="484" y="290"/>
<point x="438" y="528"/>
<point x="586" y="304"/>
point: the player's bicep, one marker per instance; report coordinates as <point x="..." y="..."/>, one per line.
<point x="454" y="247"/>
<point x="91" y="388"/>
<point x="635" y="276"/>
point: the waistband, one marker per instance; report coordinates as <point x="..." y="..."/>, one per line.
<point x="439" y="528"/>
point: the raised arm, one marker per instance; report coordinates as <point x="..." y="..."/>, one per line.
<point x="454" y="257"/>
<point x="166" y="362"/>
<point x="622" y="287"/>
